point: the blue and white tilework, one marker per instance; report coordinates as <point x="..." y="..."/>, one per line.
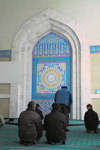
<point x="51" y="45"/>
<point x="95" y="49"/>
<point x="50" y="77"/>
<point x="51" y="61"/>
<point x="45" y="105"/>
<point x="5" y="53"/>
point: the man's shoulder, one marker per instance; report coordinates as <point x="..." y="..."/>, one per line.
<point x="62" y="90"/>
<point x="23" y="112"/>
<point x="29" y="112"/>
<point x="86" y="112"/>
<point x="94" y="112"/>
<point x="90" y="111"/>
<point x="48" y="114"/>
<point x="38" y="110"/>
<point x="58" y="91"/>
<point x="62" y="115"/>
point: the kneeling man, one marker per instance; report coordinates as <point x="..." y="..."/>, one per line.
<point x="30" y="125"/>
<point x="91" y="120"/>
<point x="55" y="126"/>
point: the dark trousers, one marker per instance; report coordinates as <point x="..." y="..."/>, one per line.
<point x="65" y="110"/>
<point x="55" y="143"/>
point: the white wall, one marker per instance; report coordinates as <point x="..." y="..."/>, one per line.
<point x="11" y="72"/>
<point x="14" y="13"/>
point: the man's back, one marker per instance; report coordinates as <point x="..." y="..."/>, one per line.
<point x="55" y="125"/>
<point x="91" y="119"/>
<point x="63" y="96"/>
<point x="30" y="125"/>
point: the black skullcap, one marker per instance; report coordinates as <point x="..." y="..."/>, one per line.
<point x="55" y="106"/>
<point x="37" y="105"/>
<point x="31" y="104"/>
<point x="64" y="86"/>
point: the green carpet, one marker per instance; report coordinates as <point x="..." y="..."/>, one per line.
<point x="77" y="139"/>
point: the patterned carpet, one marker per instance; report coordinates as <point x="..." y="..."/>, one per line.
<point x="77" y="139"/>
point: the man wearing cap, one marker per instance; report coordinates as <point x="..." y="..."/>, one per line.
<point x="64" y="98"/>
<point x="55" y="126"/>
<point x="91" y="120"/>
<point x="30" y="125"/>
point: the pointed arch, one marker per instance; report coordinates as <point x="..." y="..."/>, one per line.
<point x="26" y="38"/>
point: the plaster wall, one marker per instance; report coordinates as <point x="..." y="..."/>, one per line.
<point x="13" y="14"/>
<point x="4" y="90"/>
<point x="95" y="72"/>
<point x="95" y="80"/>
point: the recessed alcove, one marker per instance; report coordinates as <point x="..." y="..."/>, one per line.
<point x="22" y="47"/>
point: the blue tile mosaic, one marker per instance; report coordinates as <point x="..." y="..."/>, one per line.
<point x="5" y="53"/>
<point x="45" y="105"/>
<point x="51" y="68"/>
<point x="98" y="91"/>
<point x="39" y="78"/>
<point x="51" y="45"/>
<point x="94" y="49"/>
<point x="50" y="77"/>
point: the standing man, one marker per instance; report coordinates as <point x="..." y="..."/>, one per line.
<point x="30" y="125"/>
<point x="91" y="120"/>
<point x="64" y="98"/>
<point x="55" y="126"/>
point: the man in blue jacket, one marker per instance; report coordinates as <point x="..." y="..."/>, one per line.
<point x="64" y="98"/>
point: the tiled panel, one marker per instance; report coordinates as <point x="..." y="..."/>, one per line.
<point x="50" y="77"/>
<point x="5" y="53"/>
<point x="51" y="69"/>
<point x="53" y="66"/>
<point x="51" y="45"/>
<point x="95" y="49"/>
<point x="45" y="105"/>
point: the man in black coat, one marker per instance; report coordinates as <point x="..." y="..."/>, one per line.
<point x="55" y="126"/>
<point x="91" y="120"/>
<point x="30" y="125"/>
<point x="39" y="111"/>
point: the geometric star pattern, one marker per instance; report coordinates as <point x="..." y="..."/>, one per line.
<point x="50" y="77"/>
